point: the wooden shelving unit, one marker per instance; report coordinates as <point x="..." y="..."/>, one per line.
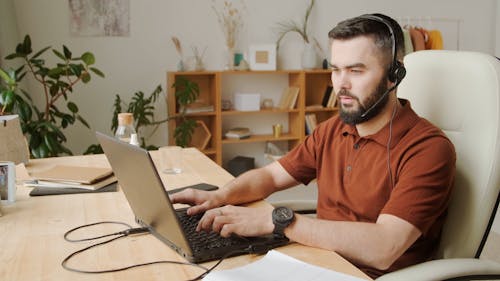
<point x="311" y="84"/>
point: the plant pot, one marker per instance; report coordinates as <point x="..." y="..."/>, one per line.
<point x="309" y="59"/>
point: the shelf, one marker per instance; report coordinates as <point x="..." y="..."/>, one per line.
<point x="262" y="111"/>
<point x="311" y="85"/>
<point x="324" y="109"/>
<point x="261" y="138"/>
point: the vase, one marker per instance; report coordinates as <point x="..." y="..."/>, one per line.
<point x="309" y="59"/>
<point x="229" y="59"/>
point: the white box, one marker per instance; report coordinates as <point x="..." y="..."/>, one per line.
<point x="247" y="101"/>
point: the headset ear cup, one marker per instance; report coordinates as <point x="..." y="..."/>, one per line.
<point x="397" y="72"/>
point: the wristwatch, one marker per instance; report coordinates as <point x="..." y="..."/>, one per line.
<point x="282" y="217"/>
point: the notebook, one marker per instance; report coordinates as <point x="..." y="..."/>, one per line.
<point x="149" y="201"/>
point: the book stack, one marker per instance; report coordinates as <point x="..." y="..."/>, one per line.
<point x="65" y="176"/>
<point x="311" y="123"/>
<point x="289" y="98"/>
<point x="197" y="107"/>
<point x="238" y="133"/>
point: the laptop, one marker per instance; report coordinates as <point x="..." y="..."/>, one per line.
<point x="151" y="205"/>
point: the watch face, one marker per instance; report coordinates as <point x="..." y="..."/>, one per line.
<point x="283" y="214"/>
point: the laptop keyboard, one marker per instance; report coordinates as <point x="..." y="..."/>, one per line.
<point x="201" y="240"/>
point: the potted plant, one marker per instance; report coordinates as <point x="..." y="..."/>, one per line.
<point x="186" y="93"/>
<point x="309" y="58"/>
<point x="44" y="127"/>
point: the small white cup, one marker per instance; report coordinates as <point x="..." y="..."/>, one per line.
<point x="7" y="182"/>
<point x="171" y="159"/>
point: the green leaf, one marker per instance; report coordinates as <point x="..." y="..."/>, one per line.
<point x="57" y="53"/>
<point x="97" y="71"/>
<point x="83" y="121"/>
<point x="13" y="56"/>
<point x="88" y="58"/>
<point x="40" y="52"/>
<point x="85" y="77"/>
<point x="77" y="69"/>
<point x="72" y="107"/>
<point x="27" y="45"/>
<point x="55" y="72"/>
<point x="67" y="53"/>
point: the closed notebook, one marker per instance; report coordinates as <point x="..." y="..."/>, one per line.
<point x="73" y="174"/>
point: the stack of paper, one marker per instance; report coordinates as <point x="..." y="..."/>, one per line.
<point x="277" y="266"/>
<point x="64" y="176"/>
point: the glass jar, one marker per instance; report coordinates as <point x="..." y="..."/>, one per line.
<point x="125" y="131"/>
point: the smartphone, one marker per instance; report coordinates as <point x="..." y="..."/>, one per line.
<point x="200" y="186"/>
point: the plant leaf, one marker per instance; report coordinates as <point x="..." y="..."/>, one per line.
<point x="57" y="53"/>
<point x="97" y="71"/>
<point x="67" y="52"/>
<point x="40" y="52"/>
<point x="72" y="107"/>
<point x="85" y="77"/>
<point x="88" y="58"/>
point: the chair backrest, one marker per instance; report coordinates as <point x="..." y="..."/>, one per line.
<point x="459" y="92"/>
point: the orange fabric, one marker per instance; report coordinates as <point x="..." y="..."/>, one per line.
<point x="417" y="39"/>
<point x="435" y="41"/>
<point x="353" y="178"/>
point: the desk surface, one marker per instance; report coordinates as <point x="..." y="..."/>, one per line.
<point x="31" y="231"/>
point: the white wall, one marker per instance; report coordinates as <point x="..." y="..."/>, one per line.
<point x="140" y="61"/>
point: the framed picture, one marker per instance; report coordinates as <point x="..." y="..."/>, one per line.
<point x="262" y="57"/>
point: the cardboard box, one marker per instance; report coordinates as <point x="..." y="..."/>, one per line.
<point x="247" y="101"/>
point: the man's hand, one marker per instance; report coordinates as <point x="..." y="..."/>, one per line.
<point x="242" y="221"/>
<point x="200" y="200"/>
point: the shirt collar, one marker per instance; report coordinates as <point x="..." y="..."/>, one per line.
<point x="403" y="121"/>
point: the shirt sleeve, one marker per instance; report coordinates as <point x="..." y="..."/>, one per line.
<point x="424" y="181"/>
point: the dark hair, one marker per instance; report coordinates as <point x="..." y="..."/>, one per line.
<point x="360" y="26"/>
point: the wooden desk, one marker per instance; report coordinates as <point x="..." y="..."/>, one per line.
<point x="31" y="231"/>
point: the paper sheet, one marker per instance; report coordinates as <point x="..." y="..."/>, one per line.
<point x="276" y="266"/>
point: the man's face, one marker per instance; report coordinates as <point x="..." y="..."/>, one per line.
<point x="358" y="77"/>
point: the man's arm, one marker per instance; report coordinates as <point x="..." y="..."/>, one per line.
<point x="373" y="244"/>
<point x="250" y="186"/>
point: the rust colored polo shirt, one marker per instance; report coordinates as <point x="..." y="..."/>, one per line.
<point x="354" y="182"/>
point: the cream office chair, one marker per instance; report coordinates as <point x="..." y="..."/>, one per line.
<point x="460" y="93"/>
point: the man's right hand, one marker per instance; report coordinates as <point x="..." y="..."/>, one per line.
<point x="200" y="200"/>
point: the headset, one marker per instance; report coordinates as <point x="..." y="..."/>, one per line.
<point x="396" y="71"/>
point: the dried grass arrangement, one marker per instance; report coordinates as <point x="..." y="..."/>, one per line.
<point x="230" y="20"/>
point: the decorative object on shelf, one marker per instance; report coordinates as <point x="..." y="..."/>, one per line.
<point x="44" y="127"/>
<point x="201" y="136"/>
<point x="247" y="101"/>
<point x="199" y="65"/>
<point x="277" y="130"/>
<point x="267" y="104"/>
<point x="262" y="56"/>
<point x="226" y="104"/>
<point x="178" y="48"/>
<point x="230" y="21"/>
<point x="309" y="57"/>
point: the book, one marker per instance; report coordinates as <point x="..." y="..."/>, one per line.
<point x="311" y="123"/>
<point x="327" y="95"/>
<point x="73" y="174"/>
<point x="238" y="133"/>
<point x="197" y="107"/>
<point x="72" y="185"/>
<point x="289" y="98"/>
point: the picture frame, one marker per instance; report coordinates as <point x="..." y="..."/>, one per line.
<point x="262" y="56"/>
<point x="7" y="182"/>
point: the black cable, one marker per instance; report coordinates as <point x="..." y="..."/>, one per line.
<point x="97" y="237"/>
<point x="125" y="233"/>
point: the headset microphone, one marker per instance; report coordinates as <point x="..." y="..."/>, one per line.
<point x="380" y="99"/>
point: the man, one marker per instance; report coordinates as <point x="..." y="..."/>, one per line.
<point x="384" y="174"/>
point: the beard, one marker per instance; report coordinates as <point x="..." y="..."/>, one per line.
<point x="353" y="117"/>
